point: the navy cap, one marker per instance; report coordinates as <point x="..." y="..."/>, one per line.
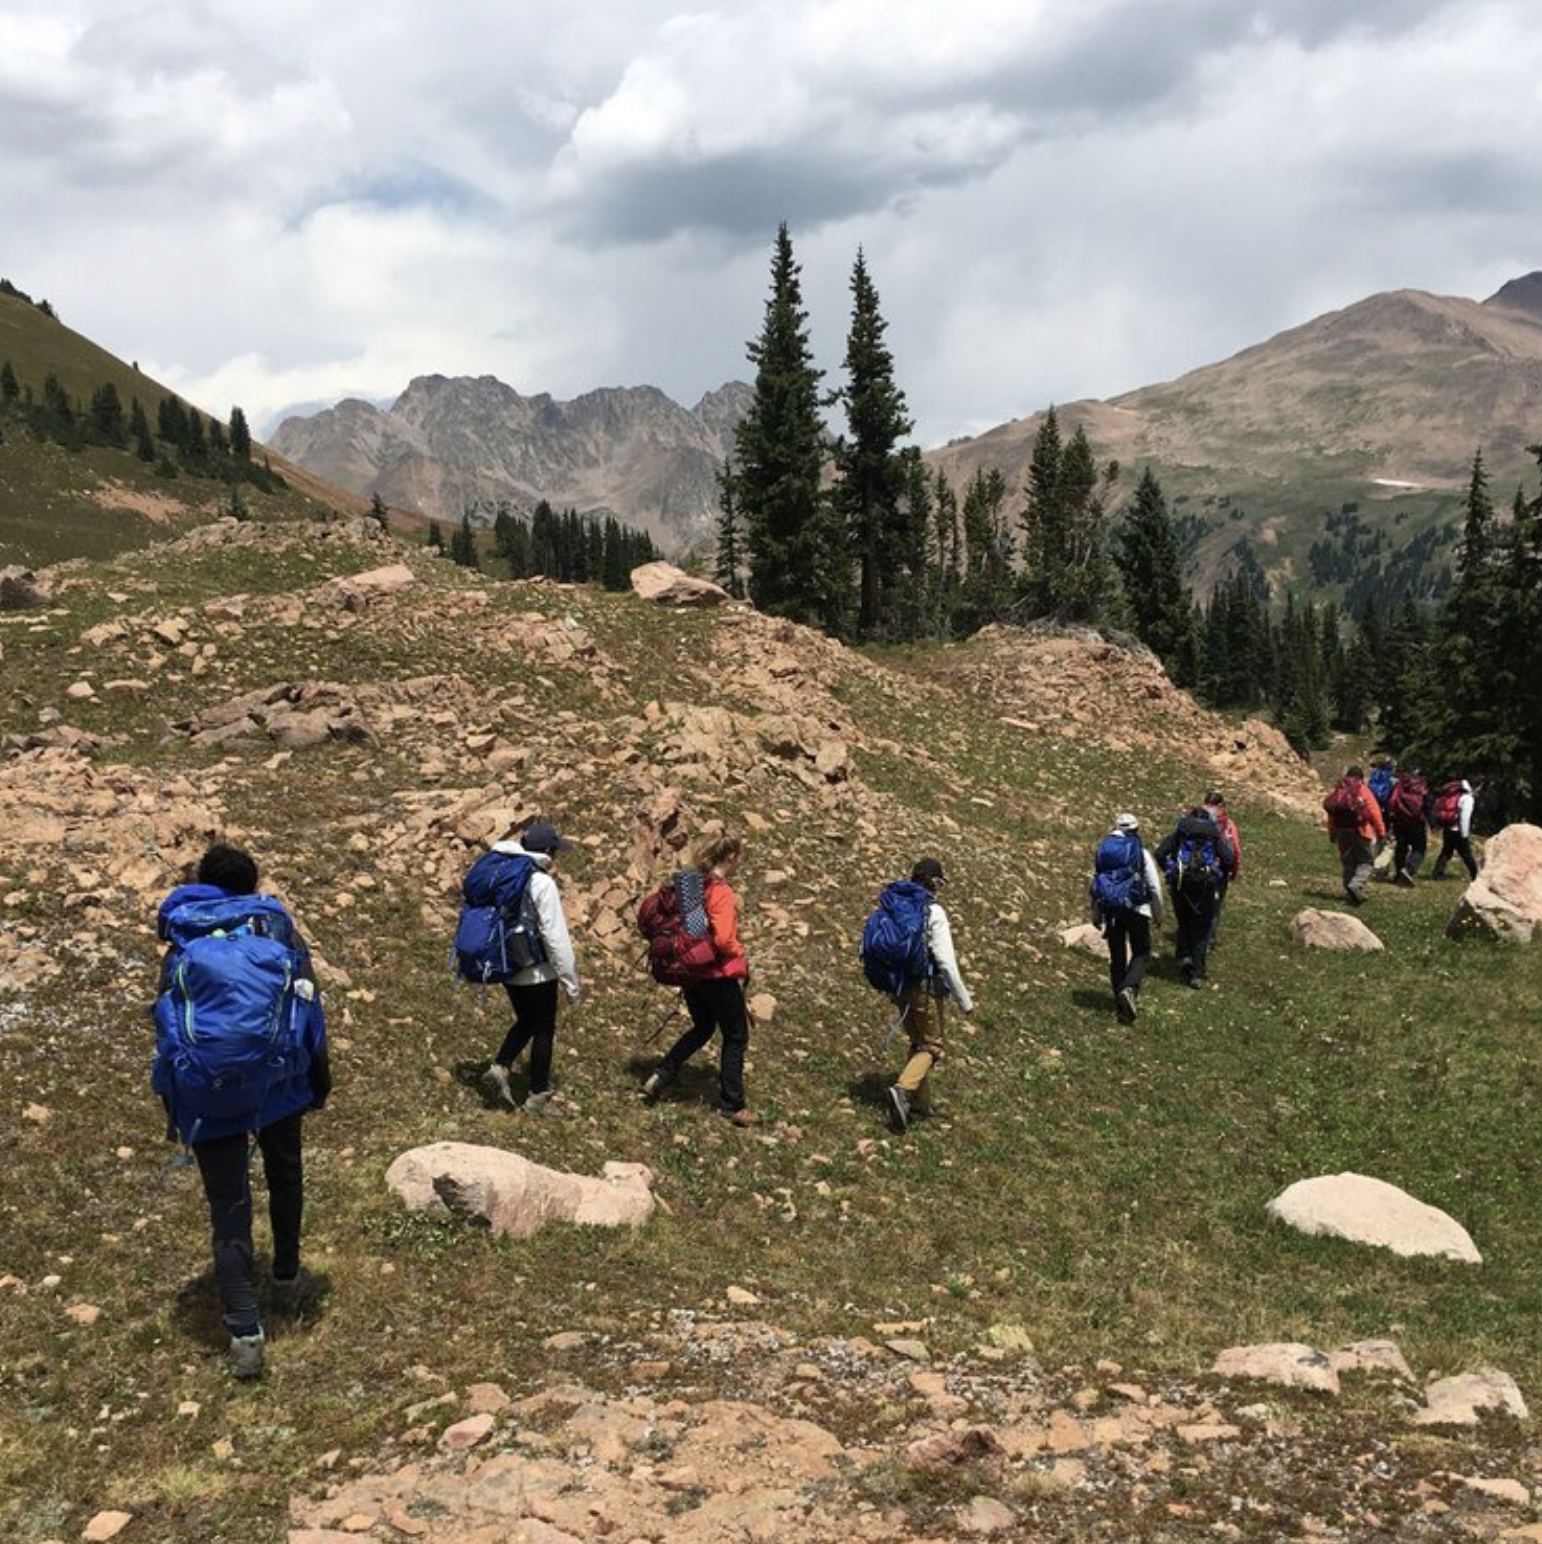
<point x="543" y="838"/>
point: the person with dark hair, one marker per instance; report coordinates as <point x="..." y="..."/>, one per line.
<point x="533" y="990"/>
<point x="1195" y="859"/>
<point x="715" y="999"/>
<point x="921" y="1005"/>
<point x="241" y="1051"/>
<point x="1355" y="826"/>
<point x="1407" y="813"/>
<point x="1215" y="803"/>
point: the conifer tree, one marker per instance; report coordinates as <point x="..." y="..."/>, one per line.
<point x="868" y="494"/>
<point x="1043" y="520"/>
<point x="1152" y="576"/>
<point x="139" y="431"/>
<point x="240" y="436"/>
<point x="435" y="538"/>
<point x="463" y="543"/>
<point x="107" y="413"/>
<point x="10" y="387"/>
<point x="729" y="561"/>
<point x="377" y="510"/>
<point x="798" y="565"/>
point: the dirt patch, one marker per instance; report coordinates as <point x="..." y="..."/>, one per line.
<point x="158" y="508"/>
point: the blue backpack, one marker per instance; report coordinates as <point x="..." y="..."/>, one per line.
<point x="230" y="1028"/>
<point x="894" y="951"/>
<point x="1119" y="875"/>
<point x="1380" y="783"/>
<point x="1195" y="865"/>
<point x="497" y="936"/>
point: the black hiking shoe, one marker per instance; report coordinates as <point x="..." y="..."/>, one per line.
<point x="653" y="1089"/>
<point x="244" y="1356"/>
<point x="288" y="1296"/>
<point x="1126" y="1006"/>
<point x="1403" y="879"/>
<point x="899" y="1110"/>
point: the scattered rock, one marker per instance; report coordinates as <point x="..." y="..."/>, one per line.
<point x="741" y="1297"/>
<point x="1505" y="900"/>
<point x="509" y="1194"/>
<point x="468" y="1433"/>
<point x="763" y="1008"/>
<point x="38" y="1114"/>
<point x="945" y="1452"/>
<point x="1372" y="1356"/>
<point x="21" y="589"/>
<point x="910" y="1350"/>
<point x="1288" y="1363"/>
<point x="1370" y="1211"/>
<point x="1086" y="938"/>
<point x="84" y="1314"/>
<point x="1505" y="1492"/>
<point x="106" y="1525"/>
<point x="486" y="1399"/>
<point x="671" y="586"/>
<point x="1464" y="1399"/>
<point x="1335" y="930"/>
<point x="355" y="592"/>
<point x="985" y="1514"/>
<point x="1011" y="1338"/>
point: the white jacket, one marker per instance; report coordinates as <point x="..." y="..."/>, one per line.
<point x="1155" y="906"/>
<point x="939" y="939"/>
<point x="1464" y="809"/>
<point x="546" y="901"/>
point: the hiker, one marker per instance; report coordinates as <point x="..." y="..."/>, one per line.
<point x="240" y="1048"/>
<point x="1215" y="803"/>
<point x="1451" y="815"/>
<point x="514" y="877"/>
<point x="1407" y="812"/>
<point x="1126" y="894"/>
<point x="1355" y="824"/>
<point x="1381" y="782"/>
<point x="1195" y="859"/>
<point x="714" y="987"/>
<point x="907" y="952"/>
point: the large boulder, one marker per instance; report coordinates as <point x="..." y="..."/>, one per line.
<point x="1370" y="1211"/>
<point x="1463" y="1400"/>
<point x="1287" y="1363"/>
<point x="509" y="1194"/>
<point x="355" y="592"/>
<point x="1337" y="930"/>
<point x="21" y="589"/>
<point x="1086" y="938"/>
<point x="1505" y="900"/>
<point x="671" y="586"/>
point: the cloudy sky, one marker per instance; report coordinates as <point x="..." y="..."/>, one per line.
<point x="277" y="202"/>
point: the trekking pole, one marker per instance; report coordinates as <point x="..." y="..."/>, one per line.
<point x="895" y="1025"/>
<point x="665" y="1020"/>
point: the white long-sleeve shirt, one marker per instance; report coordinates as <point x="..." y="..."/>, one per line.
<point x="939" y="939"/>
<point x="545" y="900"/>
<point x="1464" y="810"/>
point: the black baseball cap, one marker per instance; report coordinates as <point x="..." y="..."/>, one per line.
<point x="927" y="868"/>
<point x="542" y="837"/>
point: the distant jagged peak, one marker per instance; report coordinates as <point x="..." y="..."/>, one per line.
<point x="1522" y="294"/>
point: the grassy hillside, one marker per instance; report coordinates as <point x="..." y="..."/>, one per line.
<point x="58" y="503"/>
<point x="1100" y="1188"/>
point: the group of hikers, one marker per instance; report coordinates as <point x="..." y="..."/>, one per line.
<point x="1199" y="859"/>
<point x="1365" y="812"/>
<point x="241" y="1047"/>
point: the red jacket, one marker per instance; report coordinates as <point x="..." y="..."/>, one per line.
<point x="1370" y="825"/>
<point x="1228" y="829"/>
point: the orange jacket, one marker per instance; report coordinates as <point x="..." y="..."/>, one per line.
<point x="1371" y="826"/>
<point x="723" y="923"/>
<point x="1228" y="829"/>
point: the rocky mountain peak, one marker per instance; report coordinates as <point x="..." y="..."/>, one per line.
<point x="1522" y="294"/>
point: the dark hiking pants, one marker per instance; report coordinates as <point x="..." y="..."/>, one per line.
<point x="1129" y="950"/>
<point x="1454" y="844"/>
<point x="226" y="1167"/>
<point x="714" y="1005"/>
<point x="535" y="1025"/>
<point x="1192" y="911"/>
<point x="1408" y="848"/>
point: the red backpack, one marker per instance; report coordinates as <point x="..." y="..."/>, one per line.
<point x="1446" y="812"/>
<point x="675" y="956"/>
<point x="1408" y="798"/>
<point x="1343" y="804"/>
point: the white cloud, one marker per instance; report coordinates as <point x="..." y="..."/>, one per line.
<point x="291" y="202"/>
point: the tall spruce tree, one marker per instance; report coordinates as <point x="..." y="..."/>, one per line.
<point x="799" y="563"/>
<point x="240" y="436"/>
<point x="728" y="568"/>
<point x="435" y="537"/>
<point x="139" y="431"/>
<point x="463" y="543"/>
<point x="868" y="493"/>
<point x="1152" y="575"/>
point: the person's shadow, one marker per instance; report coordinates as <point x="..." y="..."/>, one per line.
<point x="197" y="1312"/>
<point x="870" y="1088"/>
<point x="697" y="1083"/>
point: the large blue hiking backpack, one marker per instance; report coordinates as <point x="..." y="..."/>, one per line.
<point x="498" y="935"/>
<point x="230" y="1026"/>
<point x="1119" y="875"/>
<point x="1194" y="866"/>
<point x="894" y="952"/>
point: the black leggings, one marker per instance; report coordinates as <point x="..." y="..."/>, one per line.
<point x="535" y="1025"/>
<point x="714" y="1005"/>
<point x="225" y="1164"/>
<point x="1129" y="949"/>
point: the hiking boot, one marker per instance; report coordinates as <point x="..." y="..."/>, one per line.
<point x="244" y="1358"/>
<point x="1186" y="972"/>
<point x="1197" y="982"/>
<point x="653" y="1089"/>
<point x="540" y="1104"/>
<point x="1125" y="1005"/>
<point x="899" y="1110"/>
<point x="1403" y="879"/>
<point x="286" y="1296"/>
<point x="495" y="1082"/>
<point x="739" y="1117"/>
<point x="1353" y="897"/>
